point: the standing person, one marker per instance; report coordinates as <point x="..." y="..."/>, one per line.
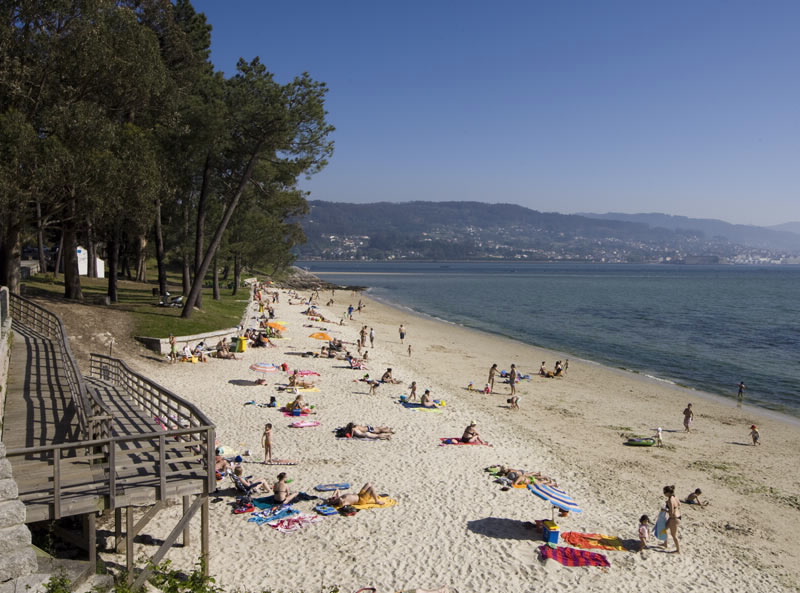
<point x="409" y="350"/>
<point x="673" y="508"/>
<point x="412" y="397"/>
<point x="688" y="417"/>
<point x="402" y="331"/>
<point x="266" y="442"/>
<point x="644" y="532"/>
<point x="350" y="310"/>
<point x="566" y="366"/>
<point x="492" y="373"/>
<point x="512" y="380"/>
<point x="755" y="435"/>
<point x="173" y="349"/>
<point x="742" y="387"/>
<point x="372" y="337"/>
<point x="363" y="334"/>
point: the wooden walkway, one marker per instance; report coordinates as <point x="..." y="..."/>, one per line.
<point x="147" y="465"/>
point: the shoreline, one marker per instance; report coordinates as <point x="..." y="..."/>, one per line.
<point x="453" y="525"/>
<point x="644" y="376"/>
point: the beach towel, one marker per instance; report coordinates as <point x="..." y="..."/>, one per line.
<point x="275" y="513"/>
<point x="294" y="523"/>
<point x="306" y="412"/>
<point x="458" y="441"/>
<point x="591" y="541"/>
<point x="573" y="556"/>
<point x="420" y="408"/>
<point x="387" y="502"/>
<point x="332" y="487"/>
<point x="305" y="424"/>
<point x="306" y="373"/>
<point x="282" y="462"/>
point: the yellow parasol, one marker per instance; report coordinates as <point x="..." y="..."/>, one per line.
<point x="321" y="336"/>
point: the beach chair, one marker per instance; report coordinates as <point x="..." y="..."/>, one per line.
<point x="241" y="487"/>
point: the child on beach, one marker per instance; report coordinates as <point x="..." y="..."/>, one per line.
<point x="694" y="498"/>
<point x="755" y="435"/>
<point x="644" y="532"/>
<point x="266" y="442"/>
<point x="659" y="441"/>
<point x="412" y="397"/>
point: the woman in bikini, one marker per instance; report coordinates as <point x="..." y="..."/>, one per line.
<point x="366" y="495"/>
<point x="673" y="508"/>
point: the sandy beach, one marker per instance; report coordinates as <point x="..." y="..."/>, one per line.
<point x="453" y="525"/>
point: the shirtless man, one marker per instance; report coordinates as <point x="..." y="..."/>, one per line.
<point x="512" y="380"/>
<point x="471" y="434"/>
<point x="427" y="400"/>
<point x="281" y="492"/>
<point x="688" y="416"/>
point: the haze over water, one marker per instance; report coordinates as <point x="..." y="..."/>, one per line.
<point x="706" y="327"/>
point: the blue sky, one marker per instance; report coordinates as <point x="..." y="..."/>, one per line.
<point x="682" y="107"/>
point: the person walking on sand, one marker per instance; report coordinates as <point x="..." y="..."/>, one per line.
<point x="688" y="417"/>
<point x="372" y="337"/>
<point x="402" y="331"/>
<point x="512" y="380"/>
<point x="742" y="387"/>
<point x="266" y="442"/>
<point x="492" y="373"/>
<point x="755" y="435"/>
<point x="412" y="397"/>
<point x="409" y="350"/>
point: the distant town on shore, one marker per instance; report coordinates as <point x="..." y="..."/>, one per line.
<point x="479" y="231"/>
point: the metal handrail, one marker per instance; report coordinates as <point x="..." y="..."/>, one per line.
<point x="30" y="315"/>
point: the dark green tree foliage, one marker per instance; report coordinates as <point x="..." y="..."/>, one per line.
<point x="275" y="131"/>
<point x="114" y="127"/>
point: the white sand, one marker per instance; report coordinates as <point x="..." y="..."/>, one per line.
<point x="453" y="525"/>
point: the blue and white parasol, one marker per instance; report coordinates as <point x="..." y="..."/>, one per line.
<point x="558" y="498"/>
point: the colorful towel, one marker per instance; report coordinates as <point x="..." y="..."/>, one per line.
<point x="265" y="517"/>
<point x="458" y="441"/>
<point x="387" y="502"/>
<point x="306" y="373"/>
<point x="326" y="510"/>
<point x="592" y="541"/>
<point x="295" y="523"/>
<point x="573" y="556"/>
<point x="304" y="424"/>
<point x="420" y="408"/>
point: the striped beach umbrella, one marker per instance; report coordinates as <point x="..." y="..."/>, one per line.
<point x="558" y="498"/>
<point x="264" y="367"/>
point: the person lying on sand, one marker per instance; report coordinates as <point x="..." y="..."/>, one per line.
<point x="366" y="495"/>
<point x="518" y="477"/>
<point x="365" y="431"/>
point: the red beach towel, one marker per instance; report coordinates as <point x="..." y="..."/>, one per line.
<point x="573" y="556"/>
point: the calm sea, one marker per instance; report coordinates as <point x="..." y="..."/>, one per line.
<point x="705" y="327"/>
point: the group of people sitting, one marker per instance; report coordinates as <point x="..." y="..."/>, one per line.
<point x="202" y="352"/>
<point x="558" y="370"/>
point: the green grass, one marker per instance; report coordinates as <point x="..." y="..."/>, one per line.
<point x="149" y="319"/>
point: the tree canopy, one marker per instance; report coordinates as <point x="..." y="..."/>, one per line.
<point x="117" y="133"/>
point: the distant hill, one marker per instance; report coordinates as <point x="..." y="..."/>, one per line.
<point x="786" y="236"/>
<point x="474" y="230"/>
<point x="789" y="227"/>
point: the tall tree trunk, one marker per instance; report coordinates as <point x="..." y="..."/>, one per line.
<point x="60" y="254"/>
<point x="113" y="265"/>
<point x="217" y="239"/>
<point x="91" y="251"/>
<point x="199" y="236"/>
<point x="72" y="279"/>
<point x="225" y="271"/>
<point x="187" y="272"/>
<point x="237" y="274"/>
<point x="160" y="255"/>
<point x="40" y="238"/>
<point x="11" y="253"/>
<point x="141" y="259"/>
<point x="216" y="279"/>
<point x="187" y="275"/>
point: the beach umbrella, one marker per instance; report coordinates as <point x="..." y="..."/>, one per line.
<point x="558" y="498"/>
<point x="321" y="336"/>
<point x="264" y="367"/>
